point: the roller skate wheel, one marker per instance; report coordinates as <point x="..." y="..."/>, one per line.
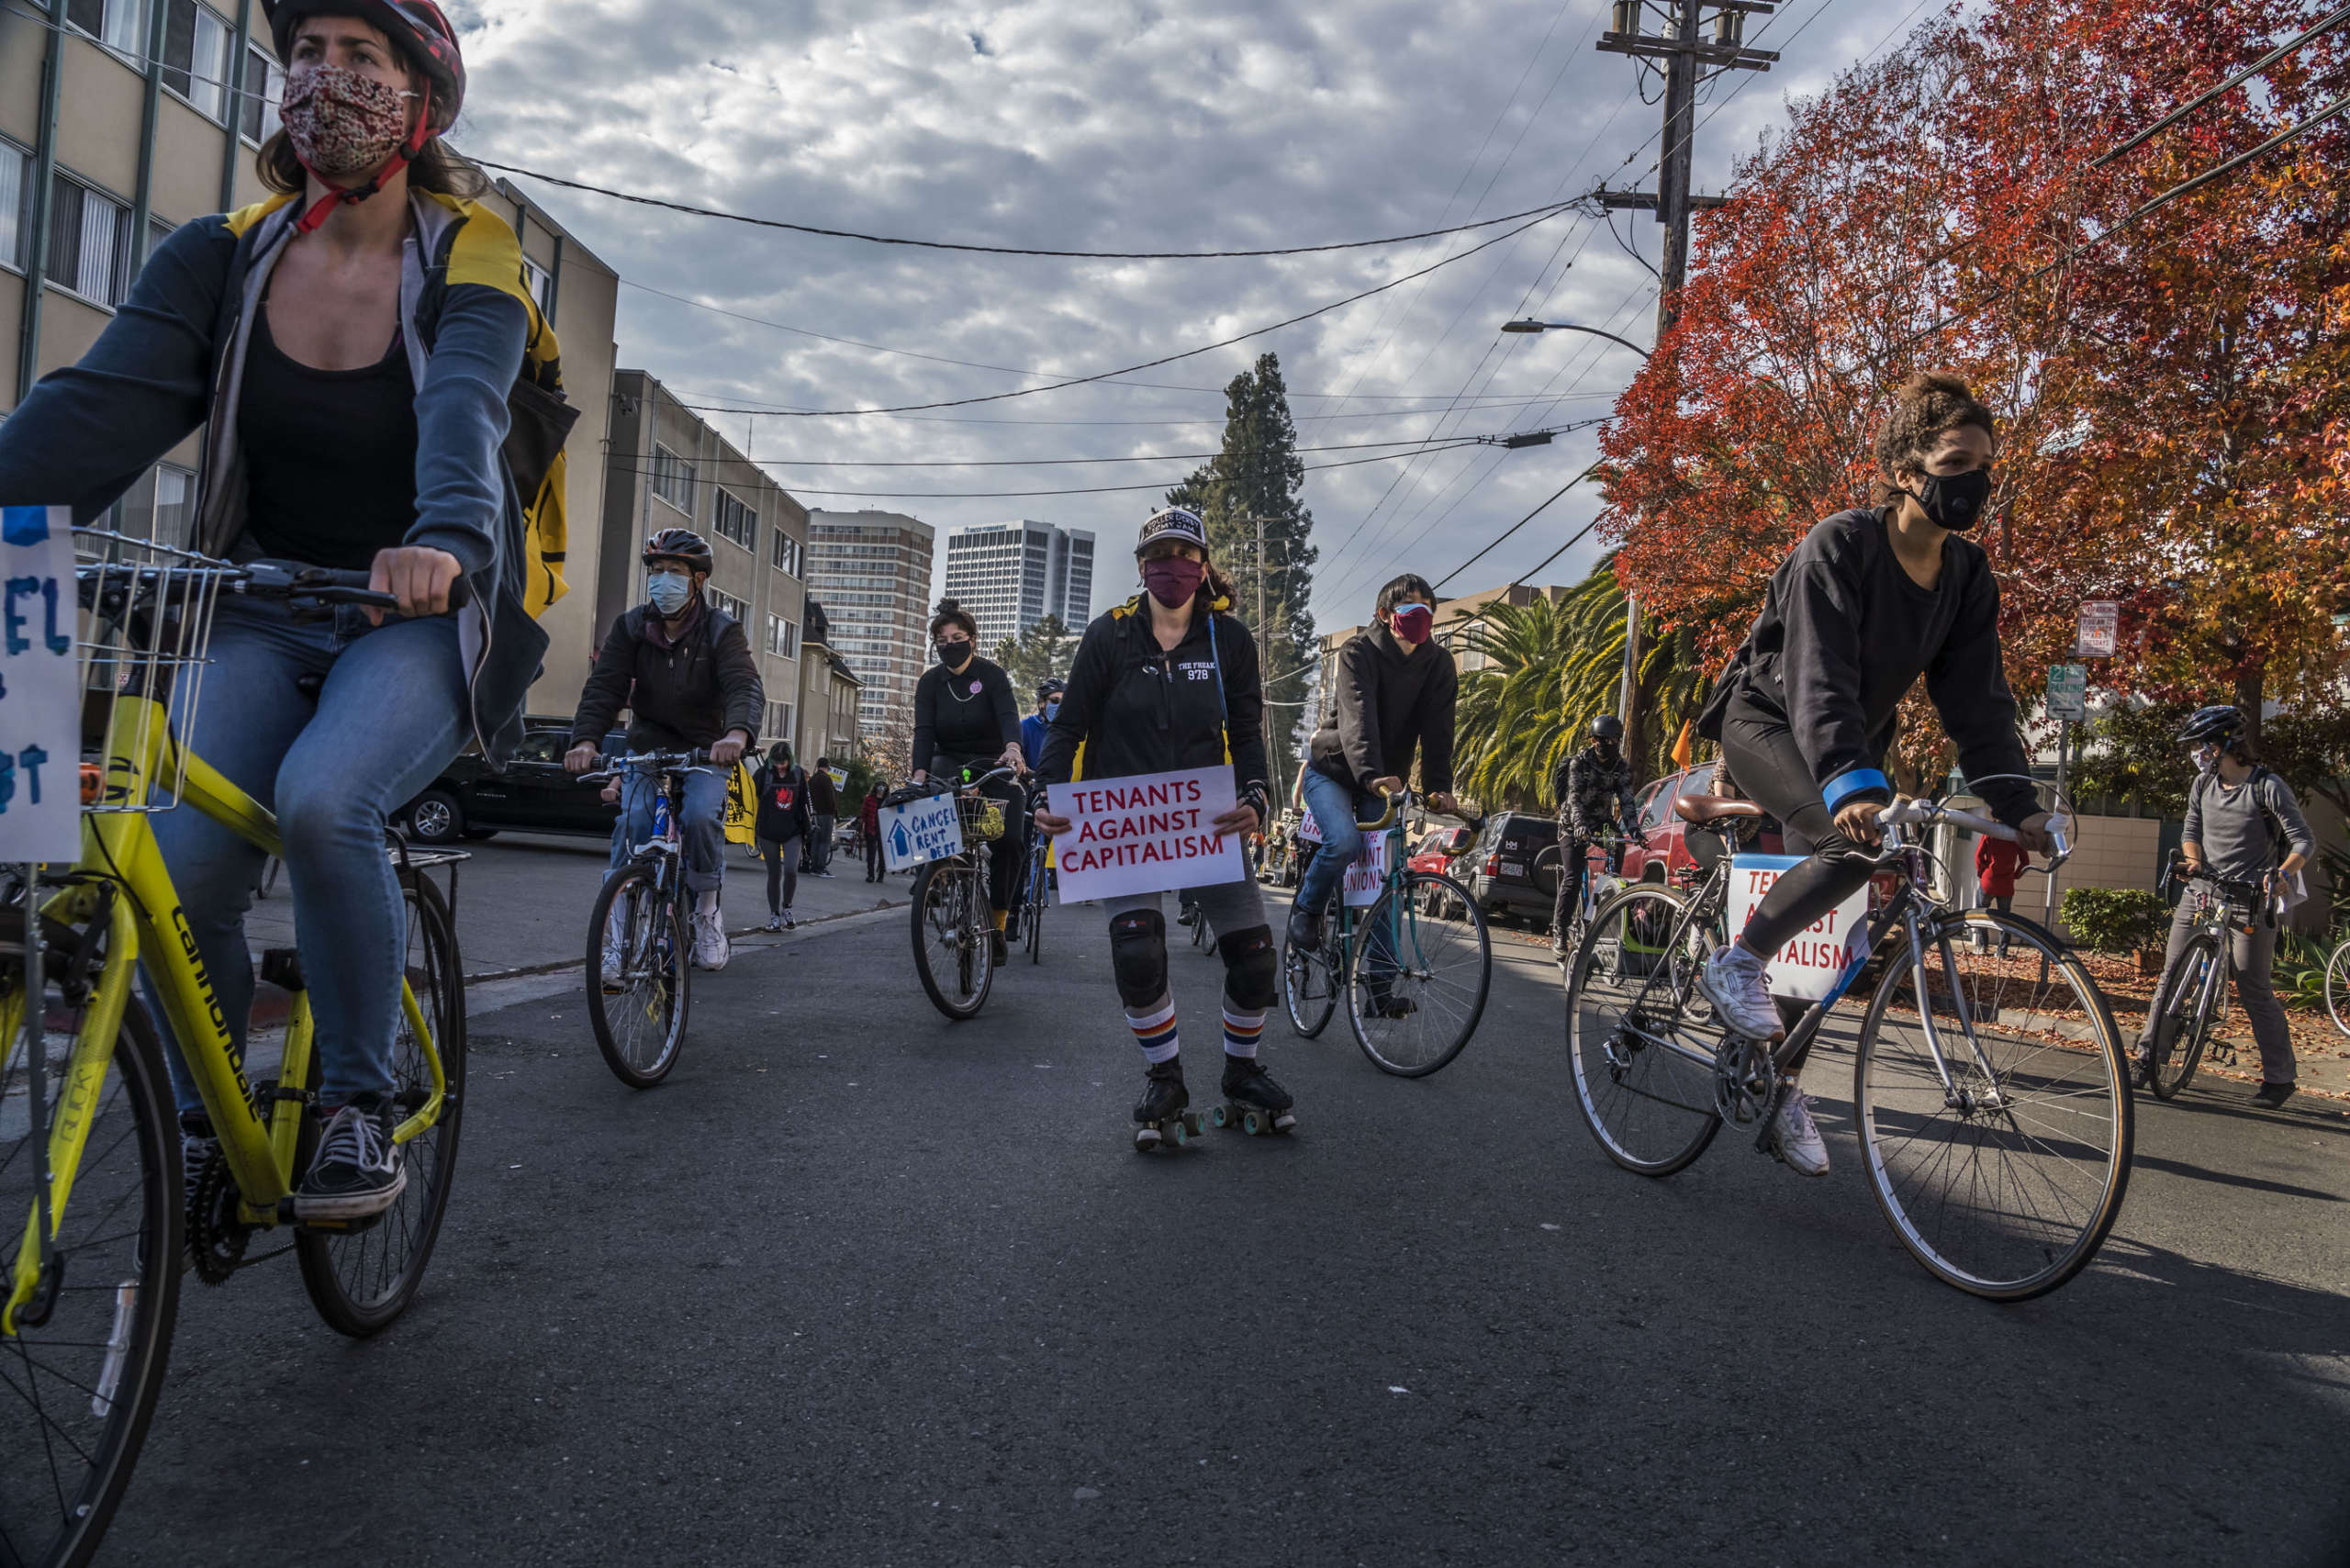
<point x="1146" y="1139"/>
<point x="1221" y="1116"/>
<point x="1194" y="1121"/>
<point x="1177" y="1133"/>
<point x="1255" y="1123"/>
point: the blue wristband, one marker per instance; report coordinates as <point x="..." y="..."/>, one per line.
<point x="1845" y="785"/>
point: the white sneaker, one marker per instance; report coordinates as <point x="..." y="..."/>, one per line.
<point x="711" y="948"/>
<point x="611" y="958"/>
<point x="1732" y="980"/>
<point x="1794" y="1137"/>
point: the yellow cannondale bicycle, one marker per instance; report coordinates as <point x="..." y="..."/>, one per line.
<point x="97" y="1220"/>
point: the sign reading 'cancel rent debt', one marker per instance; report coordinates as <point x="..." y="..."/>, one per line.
<point x="1144" y="834"/>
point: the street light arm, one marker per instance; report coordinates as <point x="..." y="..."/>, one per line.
<point x="1530" y="326"/>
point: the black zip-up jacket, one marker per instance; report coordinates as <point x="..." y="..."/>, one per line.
<point x="680" y="697"/>
<point x="966" y="715"/>
<point x="1383" y="705"/>
<point x="1136" y="709"/>
<point x="1845" y="632"/>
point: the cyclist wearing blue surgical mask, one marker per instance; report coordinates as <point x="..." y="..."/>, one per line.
<point x="684" y="670"/>
<point x="1033" y="727"/>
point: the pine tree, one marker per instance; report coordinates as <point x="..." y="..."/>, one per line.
<point x="1044" y="649"/>
<point x="1257" y="475"/>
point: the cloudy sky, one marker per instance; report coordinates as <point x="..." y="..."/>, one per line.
<point x="1114" y="124"/>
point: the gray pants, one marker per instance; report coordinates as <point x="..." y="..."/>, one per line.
<point x="820" y="843"/>
<point x="2250" y="957"/>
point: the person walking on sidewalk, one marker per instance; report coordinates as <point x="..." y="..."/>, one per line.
<point x="683" y="669"/>
<point x="1165" y="683"/>
<point x="778" y="826"/>
<point x="868" y="823"/>
<point x="2243" y="825"/>
<point x="824" y="812"/>
<point x="1997" y="864"/>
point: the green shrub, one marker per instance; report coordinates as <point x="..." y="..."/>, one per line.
<point x="2114" y="920"/>
<point x="2298" y="969"/>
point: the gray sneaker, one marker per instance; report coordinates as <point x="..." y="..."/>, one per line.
<point x="1794" y="1137"/>
<point x="1732" y="980"/>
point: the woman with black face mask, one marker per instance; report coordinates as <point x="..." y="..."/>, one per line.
<point x="1870" y="600"/>
<point x="780" y="828"/>
<point x="965" y="716"/>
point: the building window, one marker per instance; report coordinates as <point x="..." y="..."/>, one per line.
<point x="541" y="283"/>
<point x="89" y="243"/>
<point x="174" y="503"/>
<point x="728" y="603"/>
<point x="264" y="85"/>
<point x="783" y="637"/>
<point x="787" y="552"/>
<point x="16" y="173"/>
<point x="196" y="57"/>
<point x="120" y="25"/>
<point x="673" y="479"/>
<point x="780" y="721"/>
<point x="734" y="520"/>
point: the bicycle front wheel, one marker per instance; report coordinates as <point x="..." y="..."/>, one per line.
<point x="1994" y="1111"/>
<point x="952" y="953"/>
<point x="2338" y="987"/>
<point x="2176" y="1023"/>
<point x="640" y="976"/>
<point x="1418" y="985"/>
<point x="81" y="1370"/>
<point x="360" y="1280"/>
<point x="1640" y="1041"/>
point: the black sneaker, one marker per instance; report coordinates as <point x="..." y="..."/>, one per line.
<point x="999" y="949"/>
<point x="1305" y="928"/>
<point x="357" y="1173"/>
<point x="2273" y="1094"/>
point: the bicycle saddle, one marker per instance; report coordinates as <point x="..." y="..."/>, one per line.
<point x="1703" y="809"/>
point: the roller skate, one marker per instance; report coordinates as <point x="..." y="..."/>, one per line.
<point x="1161" y="1119"/>
<point x="1253" y="1102"/>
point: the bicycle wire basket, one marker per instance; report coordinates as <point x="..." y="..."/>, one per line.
<point x="142" y="639"/>
<point x="982" y="819"/>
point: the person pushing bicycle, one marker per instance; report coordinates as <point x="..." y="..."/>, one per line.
<point x="1594" y="790"/>
<point x="2242" y="825"/>
<point x="1394" y="695"/>
<point x="1872" y="599"/>
<point x="683" y="669"/>
<point x="355" y="396"/>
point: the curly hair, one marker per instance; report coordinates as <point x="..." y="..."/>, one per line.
<point x="1929" y="403"/>
<point x="950" y="613"/>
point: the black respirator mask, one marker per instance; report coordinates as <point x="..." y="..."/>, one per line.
<point x="1956" y="501"/>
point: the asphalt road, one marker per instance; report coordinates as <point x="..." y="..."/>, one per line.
<point x="859" y="1286"/>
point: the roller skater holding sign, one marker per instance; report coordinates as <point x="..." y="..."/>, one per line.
<point x="1164" y="684"/>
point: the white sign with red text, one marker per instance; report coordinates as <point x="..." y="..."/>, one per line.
<point x="1366" y="872"/>
<point x="1817" y="961"/>
<point x="1146" y="834"/>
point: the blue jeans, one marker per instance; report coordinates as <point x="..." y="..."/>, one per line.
<point x="1334" y="806"/>
<point x="391" y="715"/>
<point x="702" y="824"/>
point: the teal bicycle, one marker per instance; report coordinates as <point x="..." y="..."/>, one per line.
<point x="1414" y="982"/>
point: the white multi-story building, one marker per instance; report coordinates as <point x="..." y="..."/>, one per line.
<point x="872" y="570"/>
<point x="1011" y="575"/>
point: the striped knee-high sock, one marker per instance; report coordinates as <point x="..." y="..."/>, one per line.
<point x="1241" y="1029"/>
<point x="1155" y="1031"/>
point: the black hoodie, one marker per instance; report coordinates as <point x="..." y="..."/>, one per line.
<point x="1384" y="704"/>
<point x="1137" y="708"/>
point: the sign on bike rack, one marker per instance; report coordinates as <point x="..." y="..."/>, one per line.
<point x="40" y="711"/>
<point x="1366" y="872"/>
<point x="1817" y="962"/>
<point x="921" y="831"/>
<point x="1146" y="834"/>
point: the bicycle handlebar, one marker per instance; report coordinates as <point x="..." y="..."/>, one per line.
<point x="1395" y="801"/>
<point x="1906" y="812"/>
<point x="2250" y="893"/>
<point x="695" y="760"/>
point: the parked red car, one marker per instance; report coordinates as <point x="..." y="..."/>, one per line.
<point x="1658" y="848"/>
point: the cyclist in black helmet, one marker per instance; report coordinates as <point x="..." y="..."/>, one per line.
<point x="2243" y="824"/>
<point x="683" y="669"/>
<point x="1593" y="788"/>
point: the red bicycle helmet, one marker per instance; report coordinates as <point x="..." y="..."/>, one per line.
<point x="420" y="31"/>
<point x="680" y="545"/>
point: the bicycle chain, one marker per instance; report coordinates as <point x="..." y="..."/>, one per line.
<point x="216" y="1240"/>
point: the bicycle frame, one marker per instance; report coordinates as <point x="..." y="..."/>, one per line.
<point x="147" y="924"/>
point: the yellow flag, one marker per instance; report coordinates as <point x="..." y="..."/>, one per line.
<point x="741" y="811"/>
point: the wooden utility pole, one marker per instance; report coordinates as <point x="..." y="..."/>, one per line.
<point x="1689" y="60"/>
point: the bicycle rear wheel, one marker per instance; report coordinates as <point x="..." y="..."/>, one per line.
<point x="2176" y="1022"/>
<point x="360" y="1280"/>
<point x="952" y="953"/>
<point x="1309" y="988"/>
<point x="80" y="1375"/>
<point x="640" y="1018"/>
<point x="2338" y="987"/>
<point x="2004" y="1181"/>
<point x="1417" y="987"/>
<point x="1642" y="1050"/>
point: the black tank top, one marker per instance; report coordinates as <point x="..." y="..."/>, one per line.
<point x="329" y="454"/>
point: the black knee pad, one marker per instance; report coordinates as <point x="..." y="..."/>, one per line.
<point x="1252" y="971"/>
<point x="1138" y="955"/>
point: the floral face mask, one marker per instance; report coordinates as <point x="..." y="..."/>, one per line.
<point x="343" y="126"/>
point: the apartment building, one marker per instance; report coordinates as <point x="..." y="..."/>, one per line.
<point x="1455" y="618"/>
<point x="129" y="117"/>
<point x="829" y="694"/>
<point x="871" y="569"/>
<point x="1011" y="575"/>
<point x="665" y="468"/>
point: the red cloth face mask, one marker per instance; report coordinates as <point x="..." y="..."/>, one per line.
<point x="343" y="126"/>
<point x="1413" y="622"/>
<point x="1172" y="580"/>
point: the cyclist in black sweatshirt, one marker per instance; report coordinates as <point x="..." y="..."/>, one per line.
<point x="1165" y="683"/>
<point x="964" y="717"/>
<point x="1870" y="600"/>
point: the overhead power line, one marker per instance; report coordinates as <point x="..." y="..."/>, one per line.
<point x="689" y="208"/>
<point x="2238" y="79"/>
<point x="1521" y="523"/>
